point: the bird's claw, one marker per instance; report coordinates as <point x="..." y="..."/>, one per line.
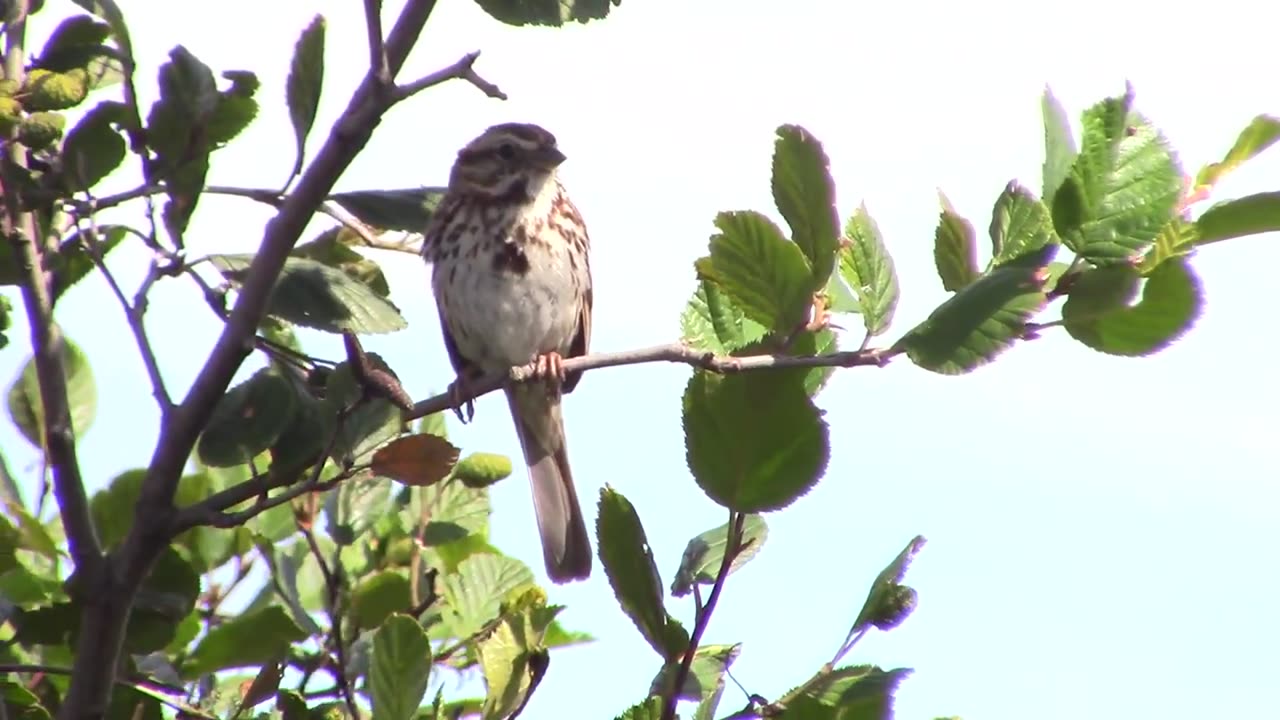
<point x="460" y="397"/>
<point x="549" y="367"/>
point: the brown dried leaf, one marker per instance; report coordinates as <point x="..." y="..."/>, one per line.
<point x="422" y="459"/>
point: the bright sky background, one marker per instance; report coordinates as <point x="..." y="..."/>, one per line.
<point x="1101" y="531"/>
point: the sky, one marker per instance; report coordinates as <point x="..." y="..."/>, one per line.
<point x="1100" y="529"/>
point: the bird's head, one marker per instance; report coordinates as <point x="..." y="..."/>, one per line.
<point x="511" y="161"/>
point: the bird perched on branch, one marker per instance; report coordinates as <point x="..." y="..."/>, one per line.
<point x="513" y="285"/>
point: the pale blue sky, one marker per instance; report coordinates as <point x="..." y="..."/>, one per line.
<point x="1101" y="530"/>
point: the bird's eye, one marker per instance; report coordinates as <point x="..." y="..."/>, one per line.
<point x="506" y="151"/>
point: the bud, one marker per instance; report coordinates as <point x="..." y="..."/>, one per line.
<point x="896" y="605"/>
<point x="47" y="90"/>
<point x="481" y="469"/>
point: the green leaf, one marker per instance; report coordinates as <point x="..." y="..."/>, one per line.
<point x="333" y="248"/>
<point x="547" y="12"/>
<point x="852" y="692"/>
<point x="1020" y="224"/>
<point x="112" y="507"/>
<point x="176" y="130"/>
<point x="1127" y="182"/>
<point x="356" y="506"/>
<point x="954" y="249"/>
<point x="368" y="426"/>
<point x="94" y="147"/>
<point x="400" y="668"/>
<point x="236" y="108"/>
<point x="713" y="323"/>
<point x="806" y="197"/>
<point x="305" y="438"/>
<point x="306" y="78"/>
<point x="408" y="209"/>
<point x="27" y="409"/>
<point x="705" y="681"/>
<point x="514" y="659"/>
<point x="1170" y="303"/>
<point x="1177" y="238"/>
<point x="648" y="709"/>
<point x="753" y="442"/>
<point x="31" y="535"/>
<point x="810" y="344"/>
<point x="866" y="266"/>
<point x="1260" y="134"/>
<point x="109" y="11"/>
<point x="250" y="639"/>
<point x="311" y="294"/>
<point x="474" y="595"/>
<point x="978" y="323"/>
<point x="248" y="420"/>
<point x="1249" y="215"/>
<point x="1059" y="145"/>
<point x="168" y="595"/>
<point x="761" y="271"/>
<point x="378" y="596"/>
<point x="628" y="562"/>
<point x="704" y="554"/>
<point x="885" y="583"/>
<point x="284" y="571"/>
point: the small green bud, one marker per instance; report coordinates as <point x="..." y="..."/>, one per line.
<point x="480" y="470"/>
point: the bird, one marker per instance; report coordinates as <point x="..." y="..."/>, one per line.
<point x="512" y="282"/>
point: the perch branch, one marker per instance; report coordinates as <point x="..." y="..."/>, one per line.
<point x="464" y="69"/>
<point x="674" y="352"/>
<point x="48" y="347"/>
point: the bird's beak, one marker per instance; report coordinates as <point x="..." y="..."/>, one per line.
<point x="546" y="158"/>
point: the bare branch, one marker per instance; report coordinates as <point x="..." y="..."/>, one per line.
<point x="48" y="348"/>
<point x="462" y="70"/>
<point x="674" y="352"/>
<point x="133" y="314"/>
<point x="378" y="65"/>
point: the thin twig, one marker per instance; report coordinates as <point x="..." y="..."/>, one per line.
<point x="152" y="690"/>
<point x="673" y="352"/>
<point x="703" y="619"/>
<point x="133" y="315"/>
<point x="377" y="53"/>
<point x="463" y="69"/>
<point x="332" y="598"/>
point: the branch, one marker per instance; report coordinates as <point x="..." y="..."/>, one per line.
<point x="133" y="314"/>
<point x="333" y="592"/>
<point x="461" y="70"/>
<point x="48" y="348"/>
<point x="703" y="618"/>
<point x="674" y="352"/>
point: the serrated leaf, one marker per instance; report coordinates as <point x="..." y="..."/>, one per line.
<point x="628" y="563"/>
<point x="400" y="668"/>
<point x="1127" y="181"/>
<point x="866" y="266"/>
<point x="514" y="660"/>
<point x="311" y="294"/>
<point x="250" y="639"/>
<point x="753" y="442"/>
<point x="109" y="11"/>
<point x="302" y="91"/>
<point x="889" y="577"/>
<point x="27" y="409"/>
<point x="416" y="459"/>
<point x="981" y="321"/>
<point x="712" y="322"/>
<point x="1020" y="224"/>
<point x="955" y="251"/>
<point x="547" y="12"/>
<point x="236" y="108"/>
<point x="408" y="209"/>
<point x="94" y="148"/>
<point x="1059" y="145"/>
<point x="356" y="506"/>
<point x="332" y="249"/>
<point x="704" y="554"/>
<point x="378" y="596"/>
<point x="850" y="692"/>
<point x="761" y="271"/>
<point x="648" y="709"/>
<point x="455" y="511"/>
<point x="806" y="197"/>
<point x="705" y="681"/>
<point x="176" y="131"/>
<point x="1260" y="134"/>
<point x="1171" y="302"/>
<point x="248" y="420"/>
<point x="1177" y="238"/>
<point x="1249" y="215"/>
<point x="474" y="595"/>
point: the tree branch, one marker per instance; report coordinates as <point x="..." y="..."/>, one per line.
<point x="462" y="70"/>
<point x="48" y="348"/>
<point x="674" y="352"/>
<point x="103" y="622"/>
<point x="703" y="619"/>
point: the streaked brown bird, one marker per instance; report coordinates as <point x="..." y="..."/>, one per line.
<point x="513" y="285"/>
